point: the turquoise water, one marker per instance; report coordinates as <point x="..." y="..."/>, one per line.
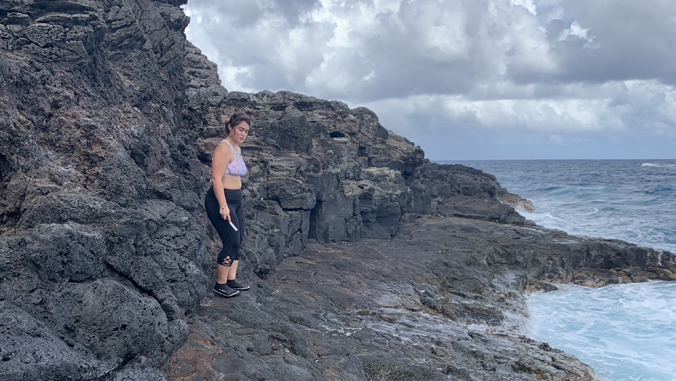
<point x="625" y="332"/>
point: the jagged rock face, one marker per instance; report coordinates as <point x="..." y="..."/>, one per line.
<point x="322" y="171"/>
<point x="309" y="170"/>
<point x="441" y="300"/>
<point x="455" y="189"/>
<point x="101" y="237"/>
<point x="108" y="120"/>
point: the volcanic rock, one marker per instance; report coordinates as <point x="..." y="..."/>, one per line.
<point x="367" y="261"/>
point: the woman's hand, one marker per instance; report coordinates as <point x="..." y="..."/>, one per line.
<point x="225" y="212"/>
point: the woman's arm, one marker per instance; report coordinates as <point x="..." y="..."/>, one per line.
<point x="220" y="160"/>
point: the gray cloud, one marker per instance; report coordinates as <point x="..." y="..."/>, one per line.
<point x="554" y="66"/>
<point x="626" y="40"/>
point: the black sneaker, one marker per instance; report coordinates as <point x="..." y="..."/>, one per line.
<point x="235" y="285"/>
<point x="224" y="291"/>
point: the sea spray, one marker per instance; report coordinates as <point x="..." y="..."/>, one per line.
<point x="625" y="332"/>
<point x="631" y="200"/>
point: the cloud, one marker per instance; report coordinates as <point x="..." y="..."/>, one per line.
<point x="362" y="51"/>
<point x="560" y="67"/>
<point x="622" y="40"/>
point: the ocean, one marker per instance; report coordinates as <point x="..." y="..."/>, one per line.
<point x="625" y="332"/>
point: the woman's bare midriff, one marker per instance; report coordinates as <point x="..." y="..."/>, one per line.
<point x="231" y="182"/>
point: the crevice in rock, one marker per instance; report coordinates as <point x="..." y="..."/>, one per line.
<point x="124" y="279"/>
<point x="5" y="168"/>
<point x="312" y="233"/>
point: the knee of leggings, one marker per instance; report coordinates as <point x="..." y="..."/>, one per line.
<point x="225" y="260"/>
<point x="226" y="257"/>
<point x="234" y="252"/>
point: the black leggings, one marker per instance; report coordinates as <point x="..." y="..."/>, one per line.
<point x="231" y="239"/>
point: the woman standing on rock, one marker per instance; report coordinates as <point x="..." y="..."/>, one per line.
<point x="224" y="203"/>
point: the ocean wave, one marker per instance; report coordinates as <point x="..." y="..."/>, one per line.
<point x="630" y="202"/>
<point x="578" y="191"/>
<point x="660" y="189"/>
<point x="621" y="330"/>
<point x="659" y="165"/>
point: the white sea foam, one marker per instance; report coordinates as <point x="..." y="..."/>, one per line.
<point x="625" y="332"/>
<point x="659" y="165"/>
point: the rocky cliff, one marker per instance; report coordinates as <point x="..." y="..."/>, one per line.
<point x="106" y="257"/>
<point x="322" y="171"/>
<point x="101" y="233"/>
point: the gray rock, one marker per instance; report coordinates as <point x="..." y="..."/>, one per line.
<point x="108" y="122"/>
<point x="398" y="370"/>
<point x="64" y="252"/>
<point x="29" y="350"/>
<point x="139" y="373"/>
<point x="68" y="207"/>
<point x="456" y="190"/>
<point x="90" y="143"/>
<point x="291" y="193"/>
<point x="133" y="325"/>
<point x="290" y="372"/>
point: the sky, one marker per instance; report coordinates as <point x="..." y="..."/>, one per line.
<point x="466" y="79"/>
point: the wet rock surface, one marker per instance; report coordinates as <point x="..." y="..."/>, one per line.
<point x="444" y="299"/>
<point x="367" y="260"/>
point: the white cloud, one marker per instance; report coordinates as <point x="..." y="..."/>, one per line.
<point x="621" y="106"/>
<point x="528" y="4"/>
<point x="558" y="66"/>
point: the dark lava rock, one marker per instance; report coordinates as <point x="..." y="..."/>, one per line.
<point x="444" y="299"/>
<point x="109" y="118"/>
<point x="22" y="337"/>
<point x="101" y="238"/>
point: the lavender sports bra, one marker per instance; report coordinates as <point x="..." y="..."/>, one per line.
<point x="237" y="166"/>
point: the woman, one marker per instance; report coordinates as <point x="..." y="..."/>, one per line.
<point x="224" y="203"/>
